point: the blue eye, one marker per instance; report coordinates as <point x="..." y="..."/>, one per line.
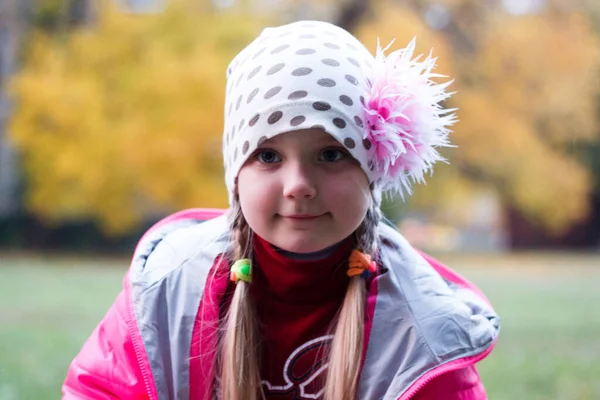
<point x="332" y="155"/>
<point x="267" y="157"/>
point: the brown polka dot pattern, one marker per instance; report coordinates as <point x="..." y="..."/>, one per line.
<point x="275" y="68"/>
<point x="279" y="49"/>
<point x="326" y="82"/>
<point x="321" y="106"/>
<point x="331" y="62"/>
<point x="297" y="120"/>
<point x="254" y="120"/>
<point x="339" y="122"/>
<point x="351" y="79"/>
<point x="274" y="117"/>
<point x="349" y="143"/>
<point x="310" y="77"/>
<point x="298" y="94"/>
<point x="258" y="53"/>
<point x="251" y="95"/>
<point x="272" y="92"/>
<point x="346" y="100"/>
<point x="254" y="72"/>
<point x="237" y="83"/>
<point x="301" y="71"/>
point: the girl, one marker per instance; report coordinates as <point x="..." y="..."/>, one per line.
<point x="298" y="291"/>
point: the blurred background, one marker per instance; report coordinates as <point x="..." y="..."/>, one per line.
<point x="111" y="118"/>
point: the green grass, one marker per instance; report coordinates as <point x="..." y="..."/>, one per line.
<point x="47" y="310"/>
<point x="549" y="347"/>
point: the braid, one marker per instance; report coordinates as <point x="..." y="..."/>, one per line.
<point x="242" y="235"/>
<point x="240" y="371"/>
<point x="347" y="347"/>
<point x="366" y="233"/>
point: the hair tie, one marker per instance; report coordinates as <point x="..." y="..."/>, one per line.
<point x="241" y="270"/>
<point x="361" y="264"/>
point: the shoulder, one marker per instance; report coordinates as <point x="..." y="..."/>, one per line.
<point x="176" y="239"/>
<point x="403" y="258"/>
<point x="414" y="300"/>
<point x="425" y="283"/>
<point x="169" y="275"/>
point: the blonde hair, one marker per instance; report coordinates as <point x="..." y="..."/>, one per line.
<point x="240" y="371"/>
<point x="239" y="356"/>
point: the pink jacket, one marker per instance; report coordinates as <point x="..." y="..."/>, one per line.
<point x="149" y="344"/>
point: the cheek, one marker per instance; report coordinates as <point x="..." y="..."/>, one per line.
<point x="256" y="197"/>
<point x="352" y="192"/>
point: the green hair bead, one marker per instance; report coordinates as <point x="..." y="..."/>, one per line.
<point x="241" y="270"/>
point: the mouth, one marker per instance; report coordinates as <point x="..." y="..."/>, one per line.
<point x="302" y="216"/>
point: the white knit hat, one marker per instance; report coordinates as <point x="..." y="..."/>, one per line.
<point x="313" y="74"/>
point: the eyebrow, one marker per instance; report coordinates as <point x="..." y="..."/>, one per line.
<point x="330" y="142"/>
<point x="328" y="139"/>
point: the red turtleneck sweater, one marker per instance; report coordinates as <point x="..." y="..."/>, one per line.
<point x="296" y="301"/>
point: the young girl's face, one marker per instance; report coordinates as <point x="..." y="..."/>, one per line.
<point x="302" y="191"/>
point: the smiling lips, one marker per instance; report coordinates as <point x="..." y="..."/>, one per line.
<point x="302" y="217"/>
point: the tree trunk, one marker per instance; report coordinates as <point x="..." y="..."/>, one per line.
<point x="11" y="25"/>
<point x="352" y="13"/>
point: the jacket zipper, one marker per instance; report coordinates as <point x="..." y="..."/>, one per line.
<point x="202" y="213"/>
<point x="442" y="369"/>
<point x="136" y="345"/>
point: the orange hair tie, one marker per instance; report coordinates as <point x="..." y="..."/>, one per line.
<point x="361" y="264"/>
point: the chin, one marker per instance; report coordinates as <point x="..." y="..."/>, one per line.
<point x="300" y="246"/>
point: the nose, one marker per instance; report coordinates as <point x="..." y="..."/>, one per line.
<point x="298" y="182"/>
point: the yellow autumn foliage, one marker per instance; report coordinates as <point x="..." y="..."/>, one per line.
<point x="125" y="116"/>
<point x="526" y="94"/>
<point x="401" y="25"/>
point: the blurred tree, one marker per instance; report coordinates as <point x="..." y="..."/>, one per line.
<point x="125" y="116"/>
<point x="11" y="27"/>
<point x="528" y="88"/>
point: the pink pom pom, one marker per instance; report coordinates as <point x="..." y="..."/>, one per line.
<point x="405" y="122"/>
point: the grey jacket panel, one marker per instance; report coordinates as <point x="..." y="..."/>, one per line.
<point x="167" y="286"/>
<point x="420" y="322"/>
